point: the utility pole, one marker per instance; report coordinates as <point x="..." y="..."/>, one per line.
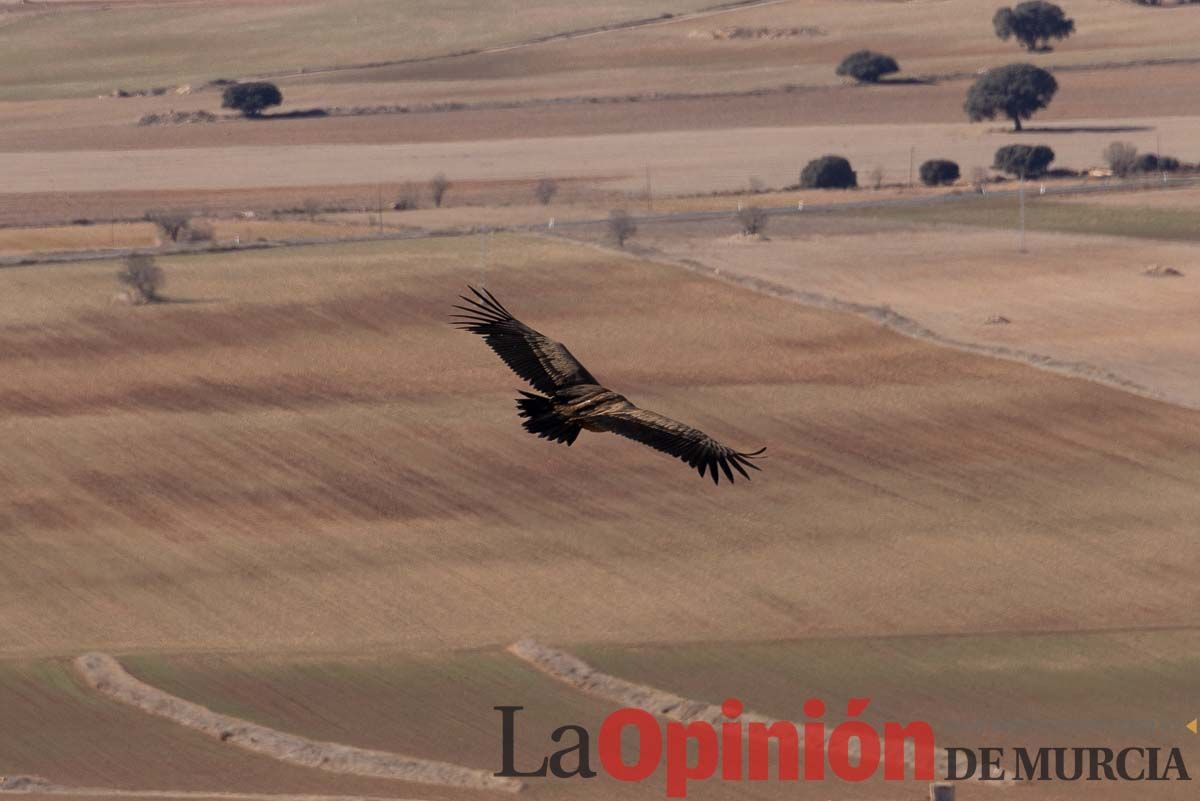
<point x="1158" y="153"/>
<point x="1021" y="196"/>
<point x="379" y="206"/>
<point x="649" y="194"/>
<point x="912" y="156"/>
<point x="484" y="236"/>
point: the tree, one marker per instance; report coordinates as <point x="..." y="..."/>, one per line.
<point x="1015" y="90"/>
<point x="621" y="226"/>
<point x="545" y="190"/>
<point x="1121" y="158"/>
<point x="438" y="187"/>
<point x="252" y="97"/>
<point x="752" y="220"/>
<point x="828" y="172"/>
<point x="172" y="224"/>
<point x="867" y="66"/>
<point x="939" y="172"/>
<point x="1033" y="24"/>
<point x="143" y="277"/>
<point x="1023" y="161"/>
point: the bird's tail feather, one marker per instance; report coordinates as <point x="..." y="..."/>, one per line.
<point x="543" y="420"/>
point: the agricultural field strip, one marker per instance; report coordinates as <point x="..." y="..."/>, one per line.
<point x="59" y="257"/>
<point x="894" y="321"/>
<point x="598" y="30"/>
<point x="105" y="674"/>
<point x="659" y="96"/>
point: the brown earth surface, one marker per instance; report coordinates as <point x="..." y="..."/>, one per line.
<point x="312" y="458"/>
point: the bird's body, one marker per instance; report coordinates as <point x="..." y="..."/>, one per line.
<point x="573" y="400"/>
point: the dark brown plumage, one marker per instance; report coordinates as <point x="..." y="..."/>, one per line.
<point x="577" y="400"/>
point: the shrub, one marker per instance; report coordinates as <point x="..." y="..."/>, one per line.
<point x="1121" y="158"/>
<point x="1168" y="164"/>
<point x="621" y="226"/>
<point x="438" y="187"/>
<point x="939" y="172"/>
<point x="144" y="278"/>
<point x="1015" y="91"/>
<point x="866" y="66"/>
<point x="198" y="232"/>
<point x="1146" y="162"/>
<point x="251" y="98"/>
<point x="1028" y="161"/>
<point x="408" y="199"/>
<point x="545" y="190"/>
<point x="1033" y="24"/>
<point x="752" y="220"/>
<point x="828" y="172"/>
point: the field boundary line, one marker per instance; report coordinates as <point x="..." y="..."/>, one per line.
<point x="104" y="674"/>
<point x="37" y="785"/>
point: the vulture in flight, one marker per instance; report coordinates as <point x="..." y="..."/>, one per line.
<point x="572" y="399"/>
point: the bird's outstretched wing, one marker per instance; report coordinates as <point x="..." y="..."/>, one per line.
<point x="541" y="361"/>
<point x="681" y="441"/>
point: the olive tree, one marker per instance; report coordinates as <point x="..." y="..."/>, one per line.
<point x="939" y="172"/>
<point x="867" y="66"/>
<point x="251" y="97"/>
<point x="1015" y="91"/>
<point x="828" y="172"/>
<point x="1023" y="161"/>
<point x="1033" y="24"/>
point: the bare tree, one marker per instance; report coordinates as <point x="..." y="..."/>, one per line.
<point x="171" y="223"/>
<point x="621" y="226"/>
<point x="752" y="220"/>
<point x="438" y="187"/>
<point x="875" y="177"/>
<point x="1121" y="158"/>
<point x="980" y="177"/>
<point x="312" y="207"/>
<point x="144" y="278"/>
<point x="757" y="187"/>
<point x="545" y="190"/>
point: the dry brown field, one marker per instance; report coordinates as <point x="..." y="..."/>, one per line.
<point x="306" y="417"/>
